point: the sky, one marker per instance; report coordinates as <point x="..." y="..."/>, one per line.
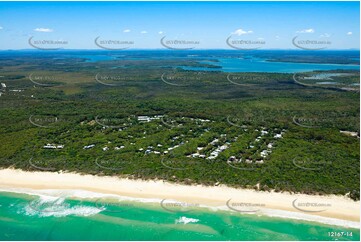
<point x="206" y="24"/>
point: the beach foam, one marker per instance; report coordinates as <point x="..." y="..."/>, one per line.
<point x="47" y="206"/>
<point x="62" y="211"/>
<point x="185" y="220"/>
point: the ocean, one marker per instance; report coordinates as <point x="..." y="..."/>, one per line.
<point x="58" y="215"/>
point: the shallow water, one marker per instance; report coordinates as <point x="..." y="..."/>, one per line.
<point x="261" y="65"/>
<point x="34" y="217"/>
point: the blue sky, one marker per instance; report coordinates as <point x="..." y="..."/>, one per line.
<point x="209" y="23"/>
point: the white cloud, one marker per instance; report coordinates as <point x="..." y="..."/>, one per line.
<point x="126" y="30"/>
<point x="260" y="38"/>
<point x="277" y="37"/>
<point x="43" y="30"/>
<point x="144" y="32"/>
<point x="325" y="35"/>
<point x="306" y="31"/>
<point x="160" y="32"/>
<point x="1" y="27"/>
<point x="349" y="33"/>
<point x="241" y="32"/>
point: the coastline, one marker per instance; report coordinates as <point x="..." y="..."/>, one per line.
<point x="340" y="210"/>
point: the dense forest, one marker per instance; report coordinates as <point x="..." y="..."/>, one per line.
<point x="147" y="118"/>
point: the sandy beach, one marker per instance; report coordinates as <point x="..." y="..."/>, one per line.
<point x="332" y="209"/>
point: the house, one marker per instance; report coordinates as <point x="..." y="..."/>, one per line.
<point x="277" y="136"/>
<point x="88" y="146"/>
<point x="53" y="146"/>
<point x="172" y="148"/>
<point x="157" y="117"/>
<point x="248" y="161"/>
<point x="214" y="153"/>
<point x="232" y="159"/>
<point x="264" y="153"/>
<point x="215" y="141"/>
<point x="195" y="155"/>
<point x="3" y="85"/>
<point x="349" y="133"/>
<point x="212" y="157"/>
<point x="143" y="119"/>
<point x="105" y="148"/>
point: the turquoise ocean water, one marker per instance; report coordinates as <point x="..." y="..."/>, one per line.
<point x="261" y="65"/>
<point x="33" y="217"/>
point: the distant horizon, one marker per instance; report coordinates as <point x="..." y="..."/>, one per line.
<point x="198" y="25"/>
<point x="104" y="50"/>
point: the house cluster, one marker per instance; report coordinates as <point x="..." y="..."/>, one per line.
<point x="197" y="154"/>
<point x="214" y="153"/>
<point x="149" y="150"/>
<point x="263" y="133"/>
<point x="233" y="159"/>
<point x="174" y="139"/>
<point x="144" y="118"/>
<point x="200" y="120"/>
<point x="105" y="148"/>
<point x="264" y="153"/>
<point x="53" y="146"/>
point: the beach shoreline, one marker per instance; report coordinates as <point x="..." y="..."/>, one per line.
<point x="330" y="209"/>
